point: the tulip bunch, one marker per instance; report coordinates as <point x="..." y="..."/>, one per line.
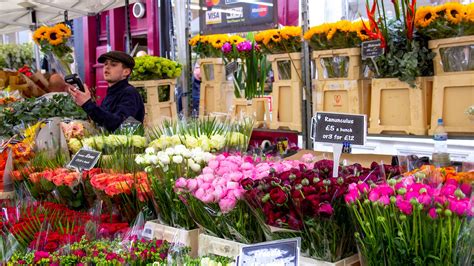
<point x="163" y="167"/>
<point x="108" y="144"/>
<point x="410" y="221"/>
<point x="308" y="200"/>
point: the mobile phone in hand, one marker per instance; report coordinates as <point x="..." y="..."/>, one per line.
<point x="75" y="80"/>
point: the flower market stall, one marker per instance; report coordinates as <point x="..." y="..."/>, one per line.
<point x="188" y="189"/>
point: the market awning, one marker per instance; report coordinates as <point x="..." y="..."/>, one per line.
<point x="18" y="15"/>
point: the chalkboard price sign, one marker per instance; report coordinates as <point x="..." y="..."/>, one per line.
<point x="84" y="159"/>
<point x="339" y="128"/>
<point x="282" y="252"/>
<point x="371" y="49"/>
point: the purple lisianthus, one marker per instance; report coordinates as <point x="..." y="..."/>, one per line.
<point x="226" y="48"/>
<point x="244" y="46"/>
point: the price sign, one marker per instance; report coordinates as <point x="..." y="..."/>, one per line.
<point x="340" y="128"/>
<point x="282" y="253"/>
<point x="84" y="159"/>
<point x="371" y="49"/>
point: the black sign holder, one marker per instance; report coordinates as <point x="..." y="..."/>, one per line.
<point x="84" y="159"/>
<point x="372" y="49"/>
<point x="342" y="130"/>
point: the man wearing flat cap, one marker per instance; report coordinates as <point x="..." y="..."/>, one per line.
<point x="122" y="100"/>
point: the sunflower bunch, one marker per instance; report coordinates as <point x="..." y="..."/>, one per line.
<point x="285" y="40"/>
<point x="209" y="45"/>
<point x="55" y="40"/>
<point x="337" y="35"/>
<point x="445" y="21"/>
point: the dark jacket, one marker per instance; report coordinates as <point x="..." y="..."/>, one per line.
<point x="122" y="100"/>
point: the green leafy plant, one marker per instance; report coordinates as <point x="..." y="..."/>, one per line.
<point x="31" y="110"/>
<point x="14" y="56"/>
<point x="153" y="67"/>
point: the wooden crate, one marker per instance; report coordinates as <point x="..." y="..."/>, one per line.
<point x="216" y="97"/>
<point x="294" y="60"/>
<point x="436" y="45"/>
<point x="342" y="96"/>
<point x="218" y="246"/>
<point x="350" y="261"/>
<point x="354" y="67"/>
<point x="452" y="95"/>
<point x="190" y="238"/>
<point x="396" y="107"/>
<point x="212" y="70"/>
<point x="287" y="113"/>
<point x="156" y="111"/>
<point x="258" y="108"/>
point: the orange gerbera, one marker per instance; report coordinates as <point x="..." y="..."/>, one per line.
<point x="21" y="150"/>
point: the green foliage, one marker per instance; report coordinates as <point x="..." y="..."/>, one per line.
<point x="30" y="111"/>
<point x="403" y="60"/>
<point x="153" y="67"/>
<point x="14" y="56"/>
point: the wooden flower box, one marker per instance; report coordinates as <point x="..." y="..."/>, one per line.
<point x="160" y="102"/>
<point x="155" y="230"/>
<point x="258" y="108"/>
<point x="398" y="108"/>
<point x="218" y="246"/>
<point x="465" y="44"/>
<point x="287" y="92"/>
<point x="342" y="96"/>
<point x="452" y="96"/>
<point x="353" y="64"/>
<point x="350" y="261"/>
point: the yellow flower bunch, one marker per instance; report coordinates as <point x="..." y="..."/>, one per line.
<point x="444" y="21"/>
<point x="30" y="133"/>
<point x="54" y="35"/>
<point x="287" y="39"/>
<point x="341" y="34"/>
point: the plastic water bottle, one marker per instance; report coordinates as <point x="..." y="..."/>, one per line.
<point x="440" y="156"/>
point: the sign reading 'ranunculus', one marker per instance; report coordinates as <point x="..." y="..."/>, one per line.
<point x="339" y="128"/>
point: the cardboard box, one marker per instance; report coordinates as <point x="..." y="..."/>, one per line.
<point x="363" y="159"/>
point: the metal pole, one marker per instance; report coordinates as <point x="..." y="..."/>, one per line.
<point x="307" y="106"/>
<point x="36" y="48"/>
<point x="128" y="34"/>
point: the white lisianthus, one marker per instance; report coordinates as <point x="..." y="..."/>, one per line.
<point x="164" y="159"/>
<point x="206" y="157"/>
<point x="150" y="150"/>
<point x="175" y="140"/>
<point x="153" y="159"/>
<point x="179" y="149"/>
<point x="195" y="167"/>
<point x="140" y="159"/>
<point x="190" y="162"/>
<point x="177" y="159"/>
<point x="170" y="151"/>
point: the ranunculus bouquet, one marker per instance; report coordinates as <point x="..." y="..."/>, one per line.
<point x="307" y="201"/>
<point x="163" y="168"/>
<point x="215" y="198"/>
<point x="128" y="191"/>
<point x="410" y="221"/>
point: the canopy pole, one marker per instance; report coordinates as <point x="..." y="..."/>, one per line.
<point x="128" y="34"/>
<point x="36" y="48"/>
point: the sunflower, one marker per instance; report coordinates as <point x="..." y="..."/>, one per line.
<point x="259" y="36"/>
<point x="343" y="25"/>
<point x="290" y="31"/>
<point x="235" y="39"/>
<point x="217" y="41"/>
<point x="453" y="12"/>
<point x="40" y="33"/>
<point x="425" y="15"/>
<point x="331" y="33"/>
<point x="194" y="40"/>
<point x="54" y="36"/>
<point x="276" y="37"/>
<point x="64" y="29"/>
<point x="469" y="12"/>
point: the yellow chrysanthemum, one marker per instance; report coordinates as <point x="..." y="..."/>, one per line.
<point x="54" y="36"/>
<point x="40" y="33"/>
<point x="64" y="29"/>
<point x="425" y="15"/>
<point x="453" y="12"/>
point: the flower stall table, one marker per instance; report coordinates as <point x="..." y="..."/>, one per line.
<point x="453" y="85"/>
<point x="396" y="107"/>
<point x="287" y="91"/>
<point x="160" y="101"/>
<point x="342" y="89"/>
<point x="217" y="93"/>
<point x="155" y="230"/>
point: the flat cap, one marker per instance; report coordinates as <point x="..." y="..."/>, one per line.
<point x="119" y="56"/>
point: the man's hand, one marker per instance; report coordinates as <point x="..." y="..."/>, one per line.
<point x="78" y="96"/>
